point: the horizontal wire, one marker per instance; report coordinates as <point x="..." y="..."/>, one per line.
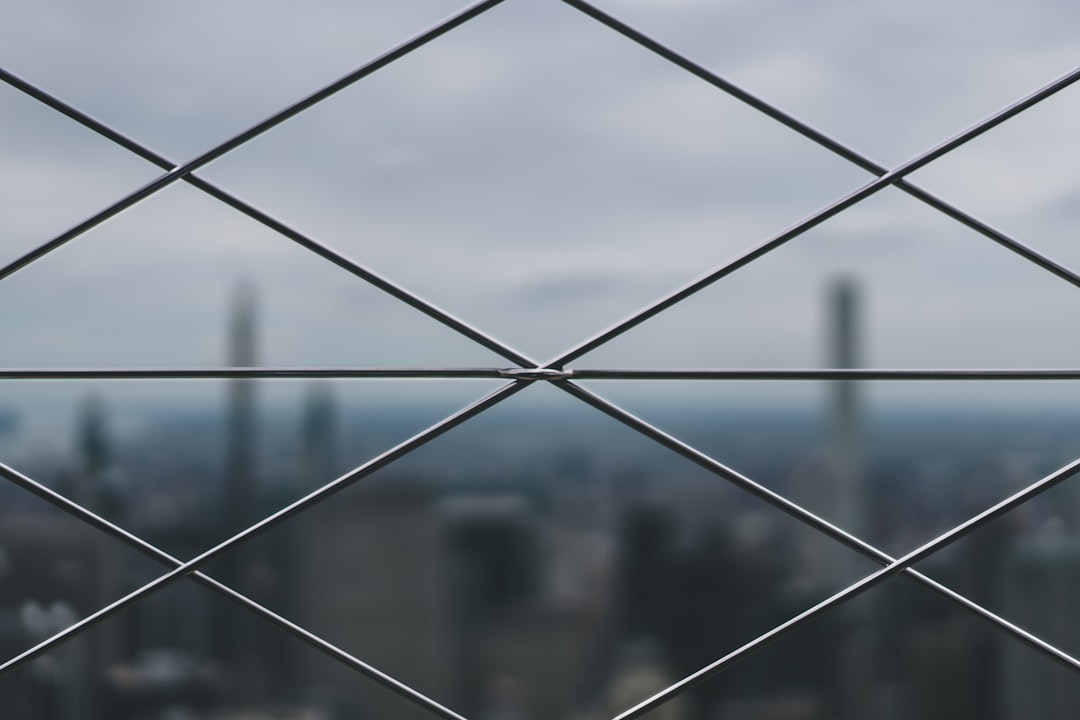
<point x="245" y="136"/>
<point x="90" y="518"/>
<point x="548" y="374"/>
<point x="822" y="374"/>
<point x="248" y="372"/>
<point x="267" y="220"/>
<point x="265" y="524"/>
<point x="891" y="565"/>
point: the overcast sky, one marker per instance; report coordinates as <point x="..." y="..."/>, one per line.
<point x="540" y="177"/>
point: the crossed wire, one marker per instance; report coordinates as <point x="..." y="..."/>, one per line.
<point x="554" y="371"/>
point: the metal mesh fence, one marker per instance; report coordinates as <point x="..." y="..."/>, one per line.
<point x="559" y="371"/>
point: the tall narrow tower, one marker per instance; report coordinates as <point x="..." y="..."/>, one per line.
<point x="846" y="462"/>
<point x="838" y="491"/>
<point x="860" y="654"/>
<point x="240" y="451"/>
<point x="235" y="634"/>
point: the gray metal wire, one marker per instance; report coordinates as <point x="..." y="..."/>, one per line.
<point x="834" y="208"/>
<point x="554" y="371"/>
<point x="543" y="373"/>
<point x="820" y="138"/>
<point x="893" y="568"/>
<point x="372" y="278"/>
<point x="184" y="569"/>
<point x="152" y="551"/>
<point x="181" y="171"/>
<point x="816" y="522"/>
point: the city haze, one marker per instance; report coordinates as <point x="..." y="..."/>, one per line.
<point x="539" y="177"/>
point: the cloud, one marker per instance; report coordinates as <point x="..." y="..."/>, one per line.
<point x="532" y="172"/>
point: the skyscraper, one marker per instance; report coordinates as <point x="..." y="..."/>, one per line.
<point x="234" y="632"/>
<point x="240" y="448"/>
<point x="845" y="457"/>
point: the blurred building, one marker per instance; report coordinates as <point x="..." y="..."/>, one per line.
<point x="507" y="598"/>
<point x="1040" y="590"/>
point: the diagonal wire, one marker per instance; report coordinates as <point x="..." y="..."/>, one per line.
<point x="264" y="218"/>
<point x="897" y="566"/>
<point x="826" y="528"/>
<point x="892" y="566"/>
<point x="266" y="523"/>
<point x="903" y="564"/>
<point x="180" y="171"/>
<point x="884" y="179"/>
<point x="820" y="138"/>
<point x="117" y="532"/>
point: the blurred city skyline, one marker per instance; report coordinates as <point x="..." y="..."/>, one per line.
<point x="539" y="177"/>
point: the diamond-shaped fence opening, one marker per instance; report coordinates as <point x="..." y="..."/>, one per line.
<point x="857" y="626"/>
